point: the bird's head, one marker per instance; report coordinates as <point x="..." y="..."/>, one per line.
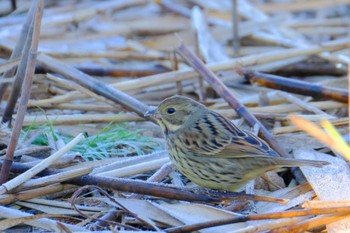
<point x="175" y="112"/>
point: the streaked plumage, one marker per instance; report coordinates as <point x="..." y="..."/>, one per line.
<point x="210" y="150"/>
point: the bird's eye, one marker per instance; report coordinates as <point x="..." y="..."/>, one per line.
<point x="171" y="110"/>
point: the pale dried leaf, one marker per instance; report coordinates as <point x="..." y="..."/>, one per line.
<point x="331" y="183"/>
<point x="195" y="213"/>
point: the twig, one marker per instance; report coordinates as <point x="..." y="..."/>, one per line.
<point x="114" y="72"/>
<point x="7" y="199"/>
<point x="73" y="85"/>
<point x="11" y="222"/>
<point x="25" y="94"/>
<point x="16" y="53"/>
<point x="9" y="65"/>
<point x="82" y="118"/>
<point x="120" y="55"/>
<point x="311" y="223"/>
<point x="5" y="187"/>
<point x="295" y="86"/>
<point x="135" y="169"/>
<point x="158" y="176"/>
<point x="285" y="214"/>
<point x="298" y="6"/>
<point x="303" y="104"/>
<point x="92" y="84"/>
<point x="235" y="27"/>
<point x="23" y="69"/>
<point x="309" y="69"/>
<point x="239" y="196"/>
<point x="127" y="185"/>
<point x="175" y="66"/>
<point x="55" y="178"/>
<point x="147" y="188"/>
<point x="342" y="122"/>
<point x="43" y="223"/>
<point x="186" y="74"/>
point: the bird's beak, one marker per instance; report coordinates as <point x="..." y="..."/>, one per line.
<point x="154" y="113"/>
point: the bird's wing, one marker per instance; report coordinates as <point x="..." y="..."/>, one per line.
<point x="207" y="135"/>
<point x="247" y="146"/>
<point x="214" y="135"/>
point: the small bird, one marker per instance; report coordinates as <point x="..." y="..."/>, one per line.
<point x="213" y="152"/>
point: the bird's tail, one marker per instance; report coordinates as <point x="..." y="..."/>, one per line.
<point x="301" y="162"/>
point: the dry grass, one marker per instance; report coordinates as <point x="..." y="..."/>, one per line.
<point x="101" y="64"/>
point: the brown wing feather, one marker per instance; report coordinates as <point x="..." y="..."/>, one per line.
<point x="246" y="146"/>
<point x="231" y="142"/>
